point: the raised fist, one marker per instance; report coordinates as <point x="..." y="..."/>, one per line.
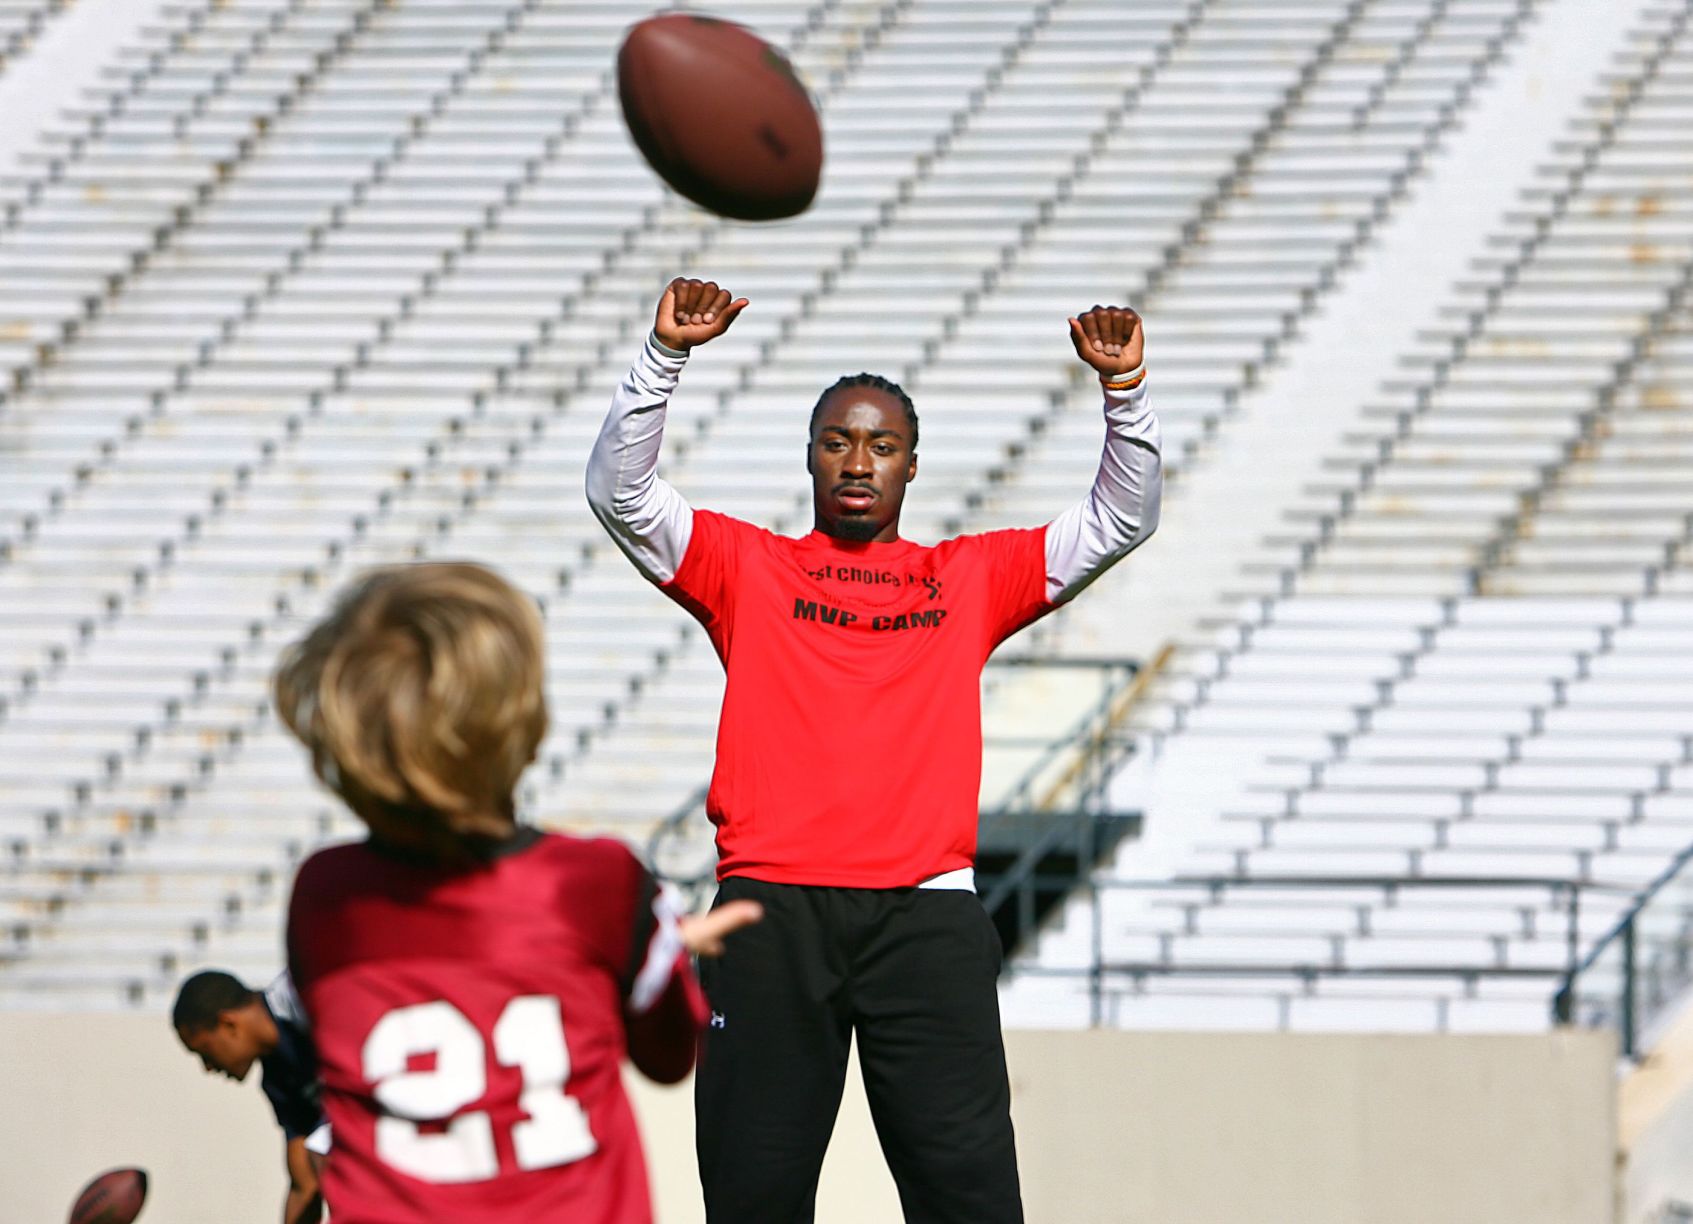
<point x="1110" y="339"/>
<point x="692" y="312"/>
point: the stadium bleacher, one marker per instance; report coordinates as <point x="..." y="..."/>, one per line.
<point x="1473" y="663"/>
<point x="21" y="24"/>
<point x="313" y="286"/>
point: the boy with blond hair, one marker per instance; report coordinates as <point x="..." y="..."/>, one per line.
<point x="473" y="984"/>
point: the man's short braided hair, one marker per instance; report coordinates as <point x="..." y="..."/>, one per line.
<point x="873" y="382"/>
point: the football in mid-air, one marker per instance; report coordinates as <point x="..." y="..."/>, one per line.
<point x="115" y="1197"/>
<point x="721" y="115"/>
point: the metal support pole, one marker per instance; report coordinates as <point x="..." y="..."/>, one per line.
<point x="1627" y="1015"/>
<point x="1096" y="971"/>
<point x="1563" y="1003"/>
<point x="1575" y="930"/>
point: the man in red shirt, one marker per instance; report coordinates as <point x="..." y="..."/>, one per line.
<point x="472" y="984"/>
<point x="848" y="765"/>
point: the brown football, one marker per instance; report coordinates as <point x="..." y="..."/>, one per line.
<point x="115" y="1197"/>
<point x="721" y="115"/>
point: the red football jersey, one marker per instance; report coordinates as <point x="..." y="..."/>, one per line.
<point x="849" y="750"/>
<point x="471" y="1026"/>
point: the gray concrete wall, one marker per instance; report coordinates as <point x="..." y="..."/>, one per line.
<point x="1316" y="1129"/>
<point x="1112" y="1126"/>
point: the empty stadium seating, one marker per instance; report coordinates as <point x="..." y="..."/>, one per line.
<point x="21" y="24"/>
<point x="1471" y="663"/>
<point x="318" y="284"/>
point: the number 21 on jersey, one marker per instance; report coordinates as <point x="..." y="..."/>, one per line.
<point x="528" y="1036"/>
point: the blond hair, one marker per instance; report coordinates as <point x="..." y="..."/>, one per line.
<point x="419" y="698"/>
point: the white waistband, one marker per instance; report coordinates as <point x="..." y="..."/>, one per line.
<point x="962" y="880"/>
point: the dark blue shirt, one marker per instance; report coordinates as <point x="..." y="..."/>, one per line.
<point x="290" y="1071"/>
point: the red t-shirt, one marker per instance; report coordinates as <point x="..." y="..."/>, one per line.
<point x="849" y="750"/>
<point x="471" y="1026"/>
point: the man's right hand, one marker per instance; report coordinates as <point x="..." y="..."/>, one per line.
<point x="692" y="312"/>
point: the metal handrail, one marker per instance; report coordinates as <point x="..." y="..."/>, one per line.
<point x="1095" y="742"/>
<point x="1092" y="733"/>
<point x="1623" y="935"/>
<point x="670" y="827"/>
<point x="1019" y="796"/>
<point x="1099" y="967"/>
<point x="1026" y="862"/>
<point x="1645" y="895"/>
<point x="1298" y="969"/>
<point x="1117" y="709"/>
<point x="1220" y="883"/>
<point x="1023" y="875"/>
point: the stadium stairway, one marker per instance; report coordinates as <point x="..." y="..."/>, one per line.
<point x="1459" y="704"/>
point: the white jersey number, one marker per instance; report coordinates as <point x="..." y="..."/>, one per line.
<point x="529" y="1036"/>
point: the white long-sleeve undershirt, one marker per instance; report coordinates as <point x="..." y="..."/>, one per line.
<point x="652" y="522"/>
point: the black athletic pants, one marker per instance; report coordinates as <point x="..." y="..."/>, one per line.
<point x="913" y="972"/>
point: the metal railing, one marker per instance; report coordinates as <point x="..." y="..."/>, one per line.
<point x="674" y="854"/>
<point x="1087" y="831"/>
<point x="1641" y="967"/>
<point x="1651" y="945"/>
<point x="1062" y="794"/>
<point x="1086" y="755"/>
<point x="1564" y="896"/>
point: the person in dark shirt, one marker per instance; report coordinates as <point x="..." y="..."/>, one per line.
<point x="230" y="1026"/>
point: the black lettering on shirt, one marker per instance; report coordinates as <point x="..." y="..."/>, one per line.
<point x="817" y="611"/>
<point x="930" y="583"/>
<point x="813" y="610"/>
<point x="851" y="573"/>
<point x="929" y="619"/>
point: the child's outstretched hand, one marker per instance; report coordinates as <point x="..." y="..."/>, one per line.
<point x="704" y="933"/>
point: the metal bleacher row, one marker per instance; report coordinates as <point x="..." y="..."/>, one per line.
<point x="1474" y="658"/>
<point x="312" y="286"/>
<point x="21" y="23"/>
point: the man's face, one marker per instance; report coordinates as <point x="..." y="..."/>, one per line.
<point x="225" y="1048"/>
<point x="860" y="460"/>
